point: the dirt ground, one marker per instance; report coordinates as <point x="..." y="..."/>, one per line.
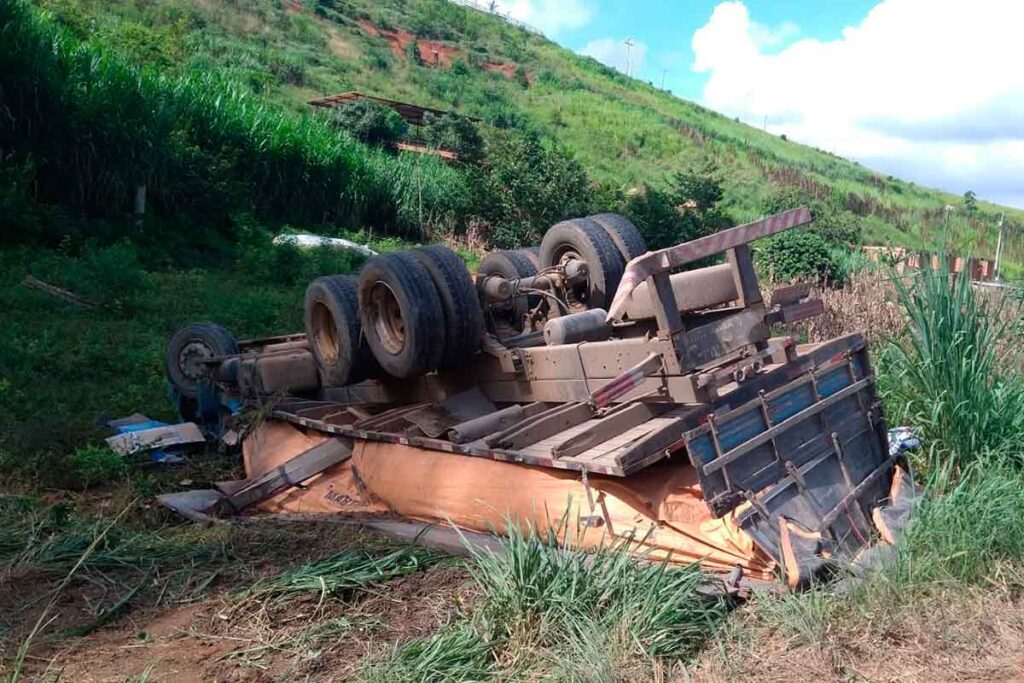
<point x="222" y="639"/>
<point x="976" y="637"/>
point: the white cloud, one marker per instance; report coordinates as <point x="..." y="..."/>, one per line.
<point x="551" y="17"/>
<point x="613" y="52"/>
<point x="928" y="89"/>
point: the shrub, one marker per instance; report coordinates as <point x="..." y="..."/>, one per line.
<point x="524" y="186"/>
<point x="111" y="275"/>
<point x="286" y="264"/>
<point x="456" y="133"/>
<point x="689" y="209"/>
<point x="832" y="220"/>
<point x="797" y="254"/>
<point x="370" y="122"/>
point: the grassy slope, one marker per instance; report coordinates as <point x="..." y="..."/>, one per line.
<point x="625" y="131"/>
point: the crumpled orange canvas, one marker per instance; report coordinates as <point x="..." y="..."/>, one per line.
<point x="662" y="505"/>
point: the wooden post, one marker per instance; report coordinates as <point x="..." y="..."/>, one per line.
<point x="666" y="310"/>
<point x="140" y="206"/>
<point x="743" y="274"/>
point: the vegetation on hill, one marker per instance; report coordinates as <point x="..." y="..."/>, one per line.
<point x="191" y="77"/>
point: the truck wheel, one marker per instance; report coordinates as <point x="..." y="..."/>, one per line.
<point x="187" y="350"/>
<point x="399" y="309"/>
<point x="581" y="238"/>
<point x="531" y="254"/>
<point x="463" y="318"/>
<point x="511" y="265"/>
<point x="625" y="235"/>
<point x="334" y="333"/>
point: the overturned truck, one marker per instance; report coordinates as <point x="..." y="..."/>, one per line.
<point x="588" y="376"/>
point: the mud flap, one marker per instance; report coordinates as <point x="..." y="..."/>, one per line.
<point x="806" y="467"/>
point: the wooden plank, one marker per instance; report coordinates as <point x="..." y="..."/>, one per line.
<point x="744" y="277"/>
<point x="300" y="468"/>
<point x="765" y="436"/>
<point x="709" y="342"/>
<point x="599" y="431"/>
<point x="643" y="267"/>
<point x="544" y="425"/>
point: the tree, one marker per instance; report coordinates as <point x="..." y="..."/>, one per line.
<point x="525" y="185"/>
<point x="970" y="202"/>
<point x="688" y="209"/>
<point x="370" y="122"/>
<point x="455" y="133"/>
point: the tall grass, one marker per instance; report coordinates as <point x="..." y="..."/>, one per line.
<point x="955" y="374"/>
<point x="97" y="126"/>
<point x="549" y="610"/>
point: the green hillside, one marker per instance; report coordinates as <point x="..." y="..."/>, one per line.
<point x="624" y="132"/>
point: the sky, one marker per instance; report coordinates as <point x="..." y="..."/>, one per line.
<point x="926" y="90"/>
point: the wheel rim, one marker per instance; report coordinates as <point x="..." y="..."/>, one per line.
<point x="191" y="359"/>
<point x="581" y="289"/>
<point x="325" y="334"/>
<point x="386" y="319"/>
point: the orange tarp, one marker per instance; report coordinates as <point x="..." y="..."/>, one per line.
<point x="661" y="505"/>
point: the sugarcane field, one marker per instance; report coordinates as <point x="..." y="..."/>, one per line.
<point x="429" y="340"/>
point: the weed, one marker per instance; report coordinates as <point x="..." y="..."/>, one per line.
<point x="94" y="465"/>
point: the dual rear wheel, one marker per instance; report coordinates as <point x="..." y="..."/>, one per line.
<point x="406" y="314"/>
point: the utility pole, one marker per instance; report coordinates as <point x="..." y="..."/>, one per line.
<point x="663" y="72"/>
<point x="628" y="42"/>
<point x="999" y="247"/>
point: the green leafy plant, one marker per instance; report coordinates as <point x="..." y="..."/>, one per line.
<point x="94" y="465"/>
<point x="798" y="254"/>
<point x="369" y="122"/>
<point x="524" y="186"/>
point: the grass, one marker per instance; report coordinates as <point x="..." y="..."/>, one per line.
<point x="550" y="610"/>
<point x="956" y="373"/>
<point x="624" y="131"/>
<point x="348" y="570"/>
<point x="95" y="123"/>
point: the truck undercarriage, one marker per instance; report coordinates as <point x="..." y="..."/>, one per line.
<point x="590" y="357"/>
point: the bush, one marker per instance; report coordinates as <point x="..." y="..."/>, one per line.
<point x="832" y="220"/>
<point x="455" y="133"/>
<point x="370" y="122"/>
<point x="798" y="254"/>
<point x="286" y="264"/>
<point x="524" y="186"/>
<point x="689" y="209"/>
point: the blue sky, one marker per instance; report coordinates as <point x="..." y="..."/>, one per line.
<point x="927" y="90"/>
<point x="666" y="28"/>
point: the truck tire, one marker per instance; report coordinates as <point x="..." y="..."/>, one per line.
<point x="625" y="235"/>
<point x="531" y="254"/>
<point x="399" y="309"/>
<point x="511" y="265"/>
<point x="463" y="317"/>
<point x="188" y="348"/>
<point x="334" y="333"/>
<point x="585" y="239"/>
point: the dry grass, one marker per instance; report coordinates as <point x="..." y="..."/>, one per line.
<point x="960" y="634"/>
<point x="867" y="304"/>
